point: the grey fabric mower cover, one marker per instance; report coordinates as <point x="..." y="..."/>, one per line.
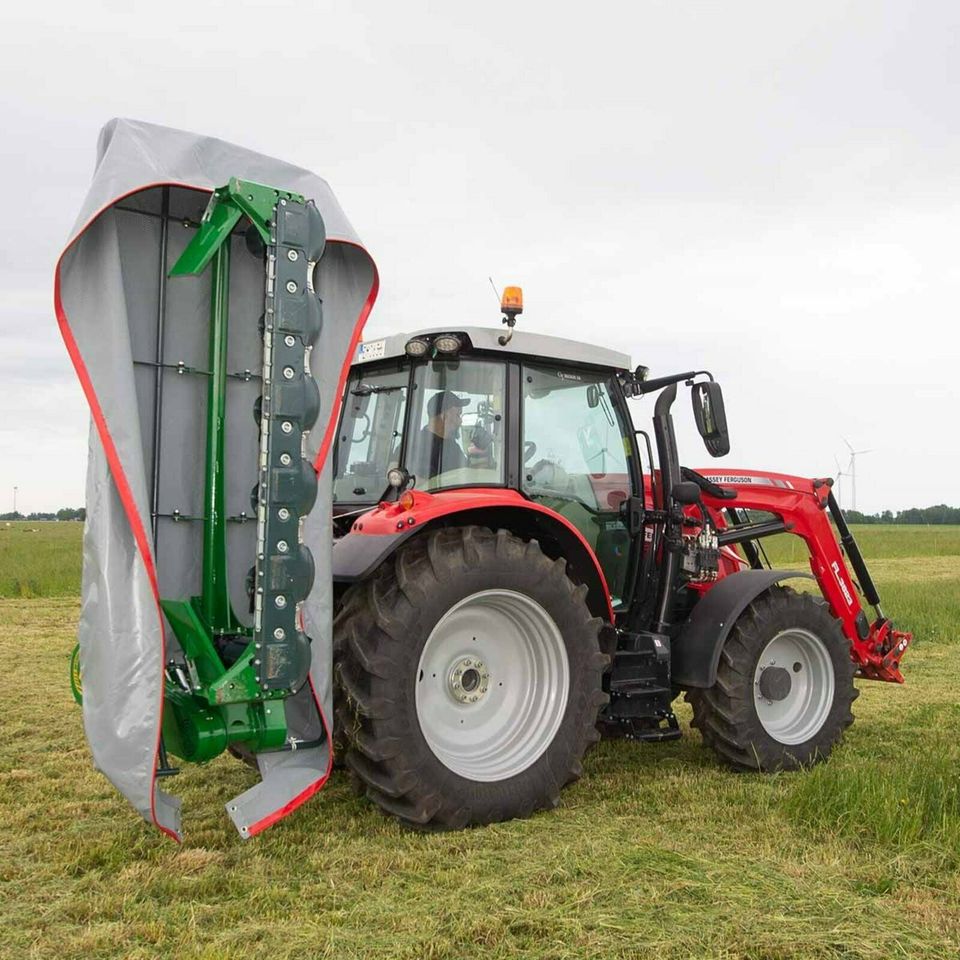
<point x="106" y="293"/>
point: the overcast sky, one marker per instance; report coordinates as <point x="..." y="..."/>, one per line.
<point x="765" y="189"/>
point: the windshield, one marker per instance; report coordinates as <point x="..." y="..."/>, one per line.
<point x="458" y="426"/>
<point x="455" y="420"/>
<point x="368" y="444"/>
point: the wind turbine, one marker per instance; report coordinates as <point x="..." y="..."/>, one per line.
<point x="852" y="469"/>
<point x="839" y="480"/>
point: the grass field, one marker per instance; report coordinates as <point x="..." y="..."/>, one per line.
<point x="657" y="852"/>
<point x="40" y="558"/>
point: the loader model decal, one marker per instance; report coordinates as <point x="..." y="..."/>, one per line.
<point x="842" y="583"/>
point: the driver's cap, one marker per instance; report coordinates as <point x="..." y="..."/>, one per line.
<point x="444" y="400"/>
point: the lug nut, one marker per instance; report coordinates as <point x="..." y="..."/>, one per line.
<point x="288" y="340"/>
<point x="289" y="373"/>
<point x="286" y="426"/>
<point x="283" y="513"/>
<point x="280" y="601"/>
<point x="285" y="459"/>
<point x="279" y="633"/>
<point x="292" y="255"/>
<point x="282" y="546"/>
<point x="291" y="287"/>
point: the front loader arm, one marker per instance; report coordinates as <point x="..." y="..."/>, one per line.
<point x="801" y="507"/>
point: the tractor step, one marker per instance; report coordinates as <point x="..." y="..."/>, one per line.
<point x="639" y="687"/>
<point x="649" y="729"/>
<point x="640" y="690"/>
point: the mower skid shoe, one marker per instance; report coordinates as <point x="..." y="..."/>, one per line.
<point x="288" y="778"/>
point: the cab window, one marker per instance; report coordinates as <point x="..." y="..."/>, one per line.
<point x="368" y="444"/>
<point x="575" y="460"/>
<point x="456" y="424"/>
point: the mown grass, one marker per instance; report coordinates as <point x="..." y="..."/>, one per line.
<point x="657" y="852"/>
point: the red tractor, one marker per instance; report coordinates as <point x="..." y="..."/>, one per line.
<point x="515" y="579"/>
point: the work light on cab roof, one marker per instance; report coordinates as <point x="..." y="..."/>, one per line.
<point x="417" y="347"/>
<point x="448" y="343"/>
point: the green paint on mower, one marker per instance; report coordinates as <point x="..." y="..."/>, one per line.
<point x="230" y="685"/>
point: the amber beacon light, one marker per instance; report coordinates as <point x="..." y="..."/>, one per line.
<point x="511" y="303"/>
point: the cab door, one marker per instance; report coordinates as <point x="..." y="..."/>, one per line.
<point x="576" y="460"/>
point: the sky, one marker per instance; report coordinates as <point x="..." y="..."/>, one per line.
<point x="768" y="190"/>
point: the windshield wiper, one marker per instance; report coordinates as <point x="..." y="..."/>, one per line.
<point x="605" y="407"/>
<point x="366" y="389"/>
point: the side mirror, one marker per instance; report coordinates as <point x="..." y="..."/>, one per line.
<point x="593" y="396"/>
<point x="711" y="418"/>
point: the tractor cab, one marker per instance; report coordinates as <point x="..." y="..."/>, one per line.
<point x="445" y="410"/>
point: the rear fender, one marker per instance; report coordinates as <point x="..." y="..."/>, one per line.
<point x="380" y="532"/>
<point x="696" y="649"/>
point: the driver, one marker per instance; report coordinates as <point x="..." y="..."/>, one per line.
<point x="438" y="449"/>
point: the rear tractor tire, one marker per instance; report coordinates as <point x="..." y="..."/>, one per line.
<point x="469" y="678"/>
<point x="784" y="686"/>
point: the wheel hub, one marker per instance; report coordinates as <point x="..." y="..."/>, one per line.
<point x="468" y="679"/>
<point x="774" y="684"/>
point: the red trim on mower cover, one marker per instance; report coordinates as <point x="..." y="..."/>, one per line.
<point x="127" y="501"/>
<point x="390" y="518"/>
<point x="126" y="494"/>
<point x="801" y="503"/>
<point x="314" y="787"/>
<point x="331" y="429"/>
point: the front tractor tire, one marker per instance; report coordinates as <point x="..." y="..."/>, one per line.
<point x="784" y="688"/>
<point x="469" y="677"/>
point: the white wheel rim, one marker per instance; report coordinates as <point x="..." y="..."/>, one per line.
<point x="804" y="709"/>
<point x="491" y="685"/>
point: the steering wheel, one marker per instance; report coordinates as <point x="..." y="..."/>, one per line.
<point x="557" y="476"/>
<point x="529" y="449"/>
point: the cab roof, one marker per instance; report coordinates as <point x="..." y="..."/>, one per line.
<point x="537" y="345"/>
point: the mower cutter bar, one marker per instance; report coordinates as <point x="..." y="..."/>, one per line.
<point x="234" y="678"/>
